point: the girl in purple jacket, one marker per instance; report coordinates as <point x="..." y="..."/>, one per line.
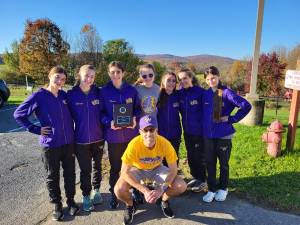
<point x="114" y="92"/>
<point x="169" y="125"/>
<point x="85" y="105"/>
<point x="218" y="103"/>
<point x="191" y="111"/>
<point x="56" y="137"/>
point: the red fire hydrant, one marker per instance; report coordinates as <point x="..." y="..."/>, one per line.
<point x="273" y="138"/>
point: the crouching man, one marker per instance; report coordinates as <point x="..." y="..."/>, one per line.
<point x="142" y="169"/>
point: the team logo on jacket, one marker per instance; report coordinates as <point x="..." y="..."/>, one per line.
<point x="194" y="102"/>
<point x="79" y="103"/>
<point x="176" y="104"/>
<point x="64" y="101"/>
<point x="95" y="102"/>
<point x="129" y="100"/>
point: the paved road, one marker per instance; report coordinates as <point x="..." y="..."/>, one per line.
<point x="24" y="198"/>
<point x="7" y="121"/>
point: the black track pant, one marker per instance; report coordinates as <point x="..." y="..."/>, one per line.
<point x="52" y="157"/>
<point x="217" y="148"/>
<point x="89" y="158"/>
<point x="196" y="156"/>
<point x="115" y="152"/>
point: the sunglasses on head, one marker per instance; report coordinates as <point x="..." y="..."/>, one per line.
<point x="150" y="75"/>
<point x="149" y="129"/>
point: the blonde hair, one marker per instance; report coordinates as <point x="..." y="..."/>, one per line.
<point x="83" y="69"/>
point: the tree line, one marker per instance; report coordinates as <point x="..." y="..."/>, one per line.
<point x="44" y="45"/>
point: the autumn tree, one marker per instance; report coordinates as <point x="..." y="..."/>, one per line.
<point x="293" y="56"/>
<point x="237" y="75"/>
<point x="191" y="66"/>
<point x="89" y="46"/>
<point x="270" y="75"/>
<point x="11" y="59"/>
<point x="41" y="48"/>
<point x="119" y="50"/>
<point x="159" y="69"/>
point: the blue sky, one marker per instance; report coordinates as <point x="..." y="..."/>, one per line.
<point x="179" y="27"/>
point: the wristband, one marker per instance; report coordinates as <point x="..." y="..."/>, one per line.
<point x="165" y="186"/>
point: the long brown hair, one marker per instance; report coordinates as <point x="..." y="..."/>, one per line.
<point x="140" y="68"/>
<point x="217" y="98"/>
<point x="163" y="96"/>
<point x="54" y="70"/>
<point x="191" y="75"/>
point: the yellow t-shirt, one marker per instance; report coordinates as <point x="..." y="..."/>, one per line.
<point x="141" y="157"/>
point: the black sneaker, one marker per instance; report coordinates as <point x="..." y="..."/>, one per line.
<point x="73" y="208"/>
<point x="57" y="213"/>
<point x="128" y="214"/>
<point x="165" y="207"/>
<point x="137" y="196"/>
<point x="113" y="204"/>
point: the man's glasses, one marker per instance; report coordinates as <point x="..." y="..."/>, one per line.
<point x="150" y="75"/>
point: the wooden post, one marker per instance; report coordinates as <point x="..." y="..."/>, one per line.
<point x="293" y="119"/>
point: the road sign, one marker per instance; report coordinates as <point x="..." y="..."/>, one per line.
<point x="292" y="79"/>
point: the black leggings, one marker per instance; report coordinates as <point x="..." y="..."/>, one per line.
<point x="175" y="142"/>
<point x="85" y="154"/>
<point x="217" y="148"/>
<point x="51" y="158"/>
<point x="196" y="156"/>
<point x="115" y="152"/>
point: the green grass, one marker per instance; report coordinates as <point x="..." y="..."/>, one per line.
<point x="255" y="176"/>
<point x="18" y="94"/>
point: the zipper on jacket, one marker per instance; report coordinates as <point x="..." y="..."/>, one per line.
<point x="62" y="116"/>
<point x="168" y="122"/>
<point x="186" y="106"/>
<point x="88" y="113"/>
<point x="122" y="128"/>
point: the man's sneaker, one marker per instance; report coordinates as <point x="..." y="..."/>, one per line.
<point x="209" y="197"/>
<point x="191" y="184"/>
<point x="128" y="214"/>
<point x="199" y="186"/>
<point x="96" y="197"/>
<point x="137" y="196"/>
<point x="73" y="208"/>
<point x="113" y="204"/>
<point x="221" y="195"/>
<point x="166" y="209"/>
<point x="57" y="213"/>
<point x="87" y="204"/>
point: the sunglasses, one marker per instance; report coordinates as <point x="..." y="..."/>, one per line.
<point x="171" y="80"/>
<point x="150" y="75"/>
<point x="149" y="129"/>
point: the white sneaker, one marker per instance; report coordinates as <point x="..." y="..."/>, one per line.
<point x="209" y="197"/>
<point x="221" y="195"/>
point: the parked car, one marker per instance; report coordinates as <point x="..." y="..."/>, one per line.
<point x="4" y="92"/>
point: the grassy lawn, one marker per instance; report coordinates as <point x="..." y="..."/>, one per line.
<point x="274" y="183"/>
<point x="18" y="94"/>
